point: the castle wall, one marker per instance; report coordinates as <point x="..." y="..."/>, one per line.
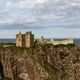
<point x="19" y="40"/>
<point x="65" y="42"/>
<point x="29" y="39"/>
<point x="23" y="40"/>
<point x="27" y="43"/>
<point x="32" y="39"/>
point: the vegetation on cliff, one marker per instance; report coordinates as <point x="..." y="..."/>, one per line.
<point x="7" y="44"/>
<point x="41" y="62"/>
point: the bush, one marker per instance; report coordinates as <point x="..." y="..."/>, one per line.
<point x="18" y="78"/>
<point x="52" y="72"/>
<point x="6" y="78"/>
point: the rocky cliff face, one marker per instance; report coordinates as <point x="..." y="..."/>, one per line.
<point x="40" y="63"/>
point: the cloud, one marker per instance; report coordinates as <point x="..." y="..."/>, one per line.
<point x="8" y="4"/>
<point x="21" y="26"/>
<point x="40" y="11"/>
<point x="28" y="4"/>
<point x="6" y="21"/>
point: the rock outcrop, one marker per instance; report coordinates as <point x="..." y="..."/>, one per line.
<point x="40" y="63"/>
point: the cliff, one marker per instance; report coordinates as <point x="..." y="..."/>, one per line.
<point x="41" y="62"/>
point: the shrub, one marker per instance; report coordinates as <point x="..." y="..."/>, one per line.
<point x="6" y="78"/>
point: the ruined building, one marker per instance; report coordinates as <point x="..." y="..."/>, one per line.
<point x="25" y="40"/>
<point x="58" y="42"/>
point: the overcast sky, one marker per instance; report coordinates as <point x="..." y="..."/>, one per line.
<point x="50" y="18"/>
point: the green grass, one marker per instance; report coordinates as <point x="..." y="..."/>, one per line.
<point x="53" y="73"/>
<point x="18" y="78"/>
<point x="7" y="78"/>
<point x="8" y="44"/>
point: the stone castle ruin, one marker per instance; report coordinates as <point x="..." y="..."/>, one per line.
<point x="25" y="40"/>
<point x="65" y="42"/>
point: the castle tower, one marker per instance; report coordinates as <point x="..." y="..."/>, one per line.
<point x="25" y="40"/>
<point x="29" y="39"/>
<point x="19" y="39"/>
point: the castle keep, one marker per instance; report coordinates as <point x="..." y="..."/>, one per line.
<point x="25" y="40"/>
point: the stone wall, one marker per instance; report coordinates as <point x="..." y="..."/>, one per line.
<point x="57" y="42"/>
<point x="19" y="39"/>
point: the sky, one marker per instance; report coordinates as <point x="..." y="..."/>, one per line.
<point x="50" y="18"/>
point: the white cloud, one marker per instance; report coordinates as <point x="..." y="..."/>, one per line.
<point x="8" y="4"/>
<point x="50" y="18"/>
<point x="5" y="6"/>
<point x="49" y="15"/>
<point x="7" y="21"/>
<point x="44" y="10"/>
<point x="27" y="20"/>
<point x="29" y="4"/>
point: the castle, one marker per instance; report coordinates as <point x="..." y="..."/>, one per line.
<point x="25" y="40"/>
